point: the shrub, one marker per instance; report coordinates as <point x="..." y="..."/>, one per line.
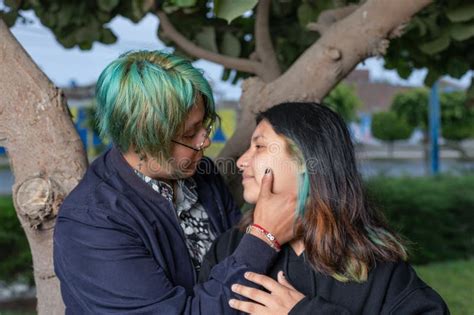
<point x="15" y="255"/>
<point x="435" y="214"/>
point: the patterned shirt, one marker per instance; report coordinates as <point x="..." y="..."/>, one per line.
<point x="191" y="215"/>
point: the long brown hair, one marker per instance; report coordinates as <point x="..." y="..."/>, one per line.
<point x="342" y="233"/>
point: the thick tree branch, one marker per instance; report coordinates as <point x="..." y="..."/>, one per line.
<point x="263" y="42"/>
<point x="192" y="49"/>
<point x="341" y="47"/>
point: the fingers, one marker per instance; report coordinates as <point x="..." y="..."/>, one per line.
<point x="282" y="280"/>
<point x="267" y="183"/>
<point x="266" y="282"/>
<point x="247" y="307"/>
<point x="252" y="293"/>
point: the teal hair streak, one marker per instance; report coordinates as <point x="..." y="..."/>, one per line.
<point x="303" y="192"/>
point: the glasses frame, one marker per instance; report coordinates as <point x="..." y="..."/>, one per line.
<point x="208" y="131"/>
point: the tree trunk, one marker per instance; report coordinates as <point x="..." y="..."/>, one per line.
<point x="46" y="156"/>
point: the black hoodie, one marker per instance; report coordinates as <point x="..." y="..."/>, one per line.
<point x="391" y="288"/>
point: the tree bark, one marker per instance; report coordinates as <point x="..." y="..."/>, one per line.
<point x="46" y="156"/>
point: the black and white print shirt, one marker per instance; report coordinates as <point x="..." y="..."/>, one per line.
<point x="191" y="215"/>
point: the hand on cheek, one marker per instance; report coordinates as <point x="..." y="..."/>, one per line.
<point x="275" y="212"/>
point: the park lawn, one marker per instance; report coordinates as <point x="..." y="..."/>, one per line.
<point x="454" y="281"/>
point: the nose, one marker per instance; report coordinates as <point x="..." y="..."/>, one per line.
<point x="242" y="162"/>
<point x="207" y="143"/>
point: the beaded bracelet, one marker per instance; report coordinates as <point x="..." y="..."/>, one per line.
<point x="269" y="236"/>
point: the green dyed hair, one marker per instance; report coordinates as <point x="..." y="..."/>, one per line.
<point x="303" y="178"/>
<point x="143" y="98"/>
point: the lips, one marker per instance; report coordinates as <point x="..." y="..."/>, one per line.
<point x="245" y="177"/>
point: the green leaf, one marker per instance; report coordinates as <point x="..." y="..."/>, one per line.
<point x="207" y="39"/>
<point x="88" y="33"/>
<point x="184" y="3"/>
<point x="65" y="15"/>
<point x="457" y="68"/>
<point x="102" y="16"/>
<point x="306" y="14"/>
<point x="404" y="70"/>
<point x="462" y="31"/>
<point x="13" y="4"/>
<point x="107" y="5"/>
<point x="431" y="77"/>
<point x="230" y="45"/>
<point x="9" y="18"/>
<point x="67" y="41"/>
<point x="85" y="45"/>
<point x="437" y="45"/>
<point x="170" y="9"/>
<point x="420" y="25"/>
<point x="461" y="13"/>
<point x="231" y="9"/>
<point x="107" y="36"/>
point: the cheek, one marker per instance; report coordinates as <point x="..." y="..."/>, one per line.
<point x="182" y="157"/>
<point x="285" y="173"/>
<point x="259" y="164"/>
<point x="184" y="162"/>
<point x="286" y="181"/>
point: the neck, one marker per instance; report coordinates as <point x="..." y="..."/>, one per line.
<point x="141" y="165"/>
<point x="298" y="246"/>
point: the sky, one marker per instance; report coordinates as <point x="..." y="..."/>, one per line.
<point x="63" y="66"/>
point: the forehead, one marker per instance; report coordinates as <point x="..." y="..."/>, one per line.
<point x="265" y="131"/>
<point x="196" y="114"/>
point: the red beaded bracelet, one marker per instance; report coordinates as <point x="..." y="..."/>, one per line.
<point x="267" y="234"/>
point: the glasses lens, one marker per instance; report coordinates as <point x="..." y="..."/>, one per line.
<point x="205" y="135"/>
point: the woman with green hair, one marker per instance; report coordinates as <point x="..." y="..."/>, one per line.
<point x="130" y="238"/>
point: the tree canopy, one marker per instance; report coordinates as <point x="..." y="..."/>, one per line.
<point x="457" y="120"/>
<point x="387" y="126"/>
<point x="439" y="38"/>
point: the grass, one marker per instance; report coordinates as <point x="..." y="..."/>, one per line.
<point x="5" y="201"/>
<point x="454" y="281"/>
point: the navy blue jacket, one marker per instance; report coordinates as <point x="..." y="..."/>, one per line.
<point x="118" y="246"/>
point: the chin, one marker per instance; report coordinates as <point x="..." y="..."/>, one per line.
<point x="250" y="197"/>
<point x="187" y="172"/>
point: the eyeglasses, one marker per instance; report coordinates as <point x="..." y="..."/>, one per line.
<point x="205" y="135"/>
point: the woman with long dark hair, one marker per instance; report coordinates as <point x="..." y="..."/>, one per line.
<point x="343" y="258"/>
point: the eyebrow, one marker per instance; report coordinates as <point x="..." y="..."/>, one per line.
<point x="257" y="137"/>
<point x="193" y="126"/>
